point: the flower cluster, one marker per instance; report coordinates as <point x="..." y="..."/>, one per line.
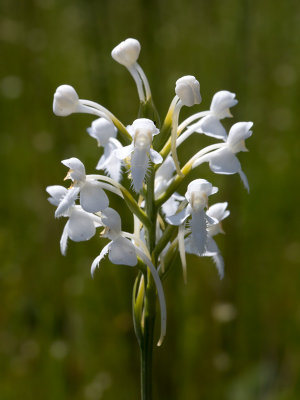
<point x="165" y="222"/>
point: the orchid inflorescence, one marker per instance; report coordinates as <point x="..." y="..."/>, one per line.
<point x="165" y="222"/>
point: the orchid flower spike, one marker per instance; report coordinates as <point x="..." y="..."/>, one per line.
<point x="105" y="133"/>
<point x="122" y="251"/>
<point x="217" y="212"/>
<point x="139" y="151"/>
<point x="224" y="160"/>
<point x="127" y="54"/>
<point x="92" y="196"/>
<point x="81" y="225"/>
<point x="188" y="93"/>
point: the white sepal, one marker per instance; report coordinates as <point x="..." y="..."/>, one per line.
<point x="93" y="197"/>
<point x="221" y="103"/>
<point x="180" y="217"/>
<point x="81" y="226"/>
<point x="211" y="126"/>
<point x="57" y="193"/>
<point x="122" y="252"/>
<point x="156" y="158"/>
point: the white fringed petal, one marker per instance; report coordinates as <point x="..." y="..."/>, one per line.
<point x="93" y="197"/>
<point x="64" y="239"/>
<point x="67" y="201"/>
<point x="199" y="231"/>
<point x="99" y="258"/>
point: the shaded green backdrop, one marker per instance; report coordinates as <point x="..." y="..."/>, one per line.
<point x="66" y="336"/>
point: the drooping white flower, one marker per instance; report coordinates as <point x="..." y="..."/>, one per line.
<point x="121" y="251"/>
<point x="81" y="225"/>
<point x="209" y="122"/>
<point x="105" y="133"/>
<point x="197" y="197"/>
<point x="217" y="212"/>
<point x="92" y="196"/>
<point x="139" y="151"/>
<point x="224" y="160"/>
<point x="127" y="54"/>
<point x="188" y="90"/>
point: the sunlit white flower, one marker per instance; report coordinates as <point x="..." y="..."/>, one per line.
<point x="105" y="133"/>
<point x="224" y="160"/>
<point x="81" y="225"/>
<point x="217" y="212"/>
<point x="139" y="151"/>
<point x="197" y="197"/>
<point x="92" y="196"/>
<point x="122" y="251"/>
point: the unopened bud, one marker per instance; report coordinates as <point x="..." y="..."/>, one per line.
<point x="188" y="90"/>
<point x="65" y="101"/>
<point x="127" y="52"/>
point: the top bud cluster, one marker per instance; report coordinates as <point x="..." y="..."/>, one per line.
<point x="165" y="222"/>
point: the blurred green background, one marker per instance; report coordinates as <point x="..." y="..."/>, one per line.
<point x="66" y="336"/>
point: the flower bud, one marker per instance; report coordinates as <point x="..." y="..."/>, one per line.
<point x="127" y="52"/>
<point x="188" y="90"/>
<point x="102" y="130"/>
<point x="65" y="101"/>
<point x="221" y="103"/>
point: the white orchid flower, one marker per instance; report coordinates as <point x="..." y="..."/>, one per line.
<point x="105" y="133"/>
<point x="224" y="160"/>
<point x="139" y="151"/>
<point x="127" y="54"/>
<point x="122" y="251"/>
<point x="92" y="196"/>
<point x="218" y="212"/>
<point x="187" y="91"/>
<point x="209" y="122"/>
<point x="197" y="197"/>
<point x="81" y="225"/>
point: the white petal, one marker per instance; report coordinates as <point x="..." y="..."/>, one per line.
<point x="218" y="211"/>
<point x="124" y="152"/>
<point x="244" y="180"/>
<point x="109" y="162"/>
<point x="57" y="193"/>
<point x="64" y="239"/>
<point x="81" y="226"/>
<point x="67" y="201"/>
<point x="218" y="259"/>
<point x="199" y="232"/>
<point x="93" y="197"/>
<point x="122" y="252"/>
<point x="156" y="158"/>
<point x="179" y="218"/>
<point x="223" y="161"/>
<point x="98" y="259"/>
<point x="211" y="126"/>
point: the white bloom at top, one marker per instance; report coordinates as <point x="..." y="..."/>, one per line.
<point x="105" y="133"/>
<point x="217" y="212"/>
<point x="188" y="90"/>
<point x="66" y="101"/>
<point x="92" y="196"/>
<point x="127" y="52"/>
<point x="197" y="197"/>
<point x="142" y="131"/>
<point x="81" y="225"/>
<point x="224" y="160"/>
